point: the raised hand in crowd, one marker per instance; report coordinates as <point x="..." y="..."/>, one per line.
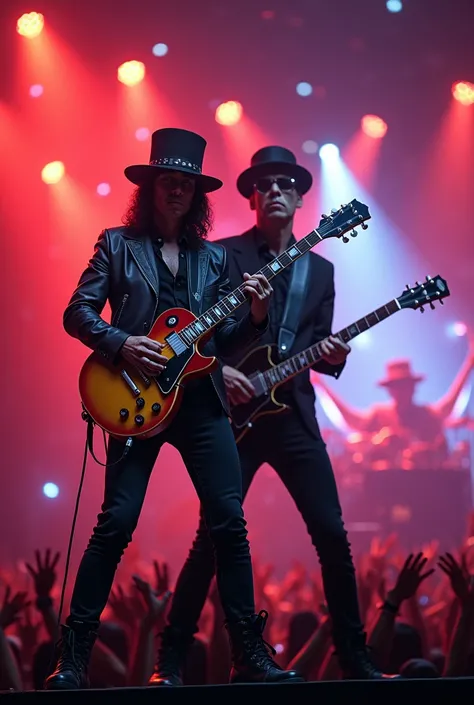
<point x="12" y="607"/>
<point x="153" y="601"/>
<point x="44" y="575"/>
<point x="44" y="579"/>
<point x="462" y="585"/>
<point x="409" y="579"/>
<point x="459" y="578"/>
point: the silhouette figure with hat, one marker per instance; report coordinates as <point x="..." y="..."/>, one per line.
<point x="403" y="433"/>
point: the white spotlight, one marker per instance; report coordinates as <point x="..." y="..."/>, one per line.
<point x="51" y="490"/>
<point x="394" y="5"/>
<point x="304" y="89"/>
<point x="160" y="49"/>
<point x="329" y="152"/>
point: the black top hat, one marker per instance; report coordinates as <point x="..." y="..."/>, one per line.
<point x="273" y="160"/>
<point x="173" y="149"/>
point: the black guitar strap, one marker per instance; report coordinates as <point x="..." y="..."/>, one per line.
<point x="294" y="304"/>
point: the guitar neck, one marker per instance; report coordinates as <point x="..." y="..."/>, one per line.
<point x="307" y="358"/>
<point x="226" y="306"/>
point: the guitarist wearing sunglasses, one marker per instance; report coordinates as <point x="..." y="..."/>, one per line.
<point x="301" y="313"/>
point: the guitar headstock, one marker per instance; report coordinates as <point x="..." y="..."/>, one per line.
<point x="344" y="219"/>
<point x="418" y="296"/>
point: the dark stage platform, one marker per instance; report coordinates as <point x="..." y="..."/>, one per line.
<point x="408" y="692"/>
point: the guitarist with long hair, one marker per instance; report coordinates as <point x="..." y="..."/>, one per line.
<point x="301" y="313"/>
<point x="160" y="260"/>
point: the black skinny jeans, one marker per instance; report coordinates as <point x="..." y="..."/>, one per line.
<point x="301" y="460"/>
<point x="202" y="434"/>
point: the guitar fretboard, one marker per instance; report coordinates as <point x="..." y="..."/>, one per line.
<point x="226" y="306"/>
<point x="307" y="358"/>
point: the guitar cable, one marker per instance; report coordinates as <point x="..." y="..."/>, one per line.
<point x="88" y="447"/>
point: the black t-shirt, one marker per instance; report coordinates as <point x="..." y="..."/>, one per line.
<point x="173" y="293"/>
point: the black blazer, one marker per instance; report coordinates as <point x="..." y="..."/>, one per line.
<point x="315" y="319"/>
<point x="123" y="271"/>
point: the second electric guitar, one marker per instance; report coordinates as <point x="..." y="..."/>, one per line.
<point x="261" y="365"/>
<point x="126" y="403"/>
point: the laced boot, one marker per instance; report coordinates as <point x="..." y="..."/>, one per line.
<point x="356" y="662"/>
<point x="74" y="650"/>
<point x="171" y="658"/>
<point x="252" y="657"/>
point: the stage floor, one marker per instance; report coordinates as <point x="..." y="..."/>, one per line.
<point x="408" y="692"/>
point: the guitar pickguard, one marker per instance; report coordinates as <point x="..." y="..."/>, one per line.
<point x="173" y="370"/>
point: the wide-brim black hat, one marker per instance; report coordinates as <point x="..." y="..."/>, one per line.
<point x="273" y="160"/>
<point x="173" y="149"/>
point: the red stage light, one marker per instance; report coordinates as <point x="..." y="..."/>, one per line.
<point x="229" y="113"/>
<point x="374" y="126"/>
<point x="131" y="72"/>
<point x="30" y="24"/>
<point x="463" y="91"/>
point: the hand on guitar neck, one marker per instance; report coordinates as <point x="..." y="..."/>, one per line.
<point x="144" y="354"/>
<point x="259" y="290"/>
<point x="239" y="388"/>
<point x="334" y="350"/>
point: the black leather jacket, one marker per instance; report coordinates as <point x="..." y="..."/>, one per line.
<point x="123" y="271"/>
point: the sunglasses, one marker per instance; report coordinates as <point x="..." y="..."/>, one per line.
<point x="284" y="183"/>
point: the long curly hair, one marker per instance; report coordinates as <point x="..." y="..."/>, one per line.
<point x="140" y="213"/>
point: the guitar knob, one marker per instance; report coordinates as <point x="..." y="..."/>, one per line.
<point x="140" y="403"/>
<point x="156" y="408"/>
<point x="139" y="420"/>
<point x="124" y="414"/>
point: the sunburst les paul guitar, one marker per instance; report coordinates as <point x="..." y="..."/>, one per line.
<point x="126" y="403"/>
<point x="268" y="374"/>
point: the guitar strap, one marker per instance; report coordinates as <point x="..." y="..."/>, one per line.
<point x="294" y="304"/>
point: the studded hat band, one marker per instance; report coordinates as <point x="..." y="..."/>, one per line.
<point x="176" y="161"/>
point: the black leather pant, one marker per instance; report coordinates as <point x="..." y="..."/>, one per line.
<point x="301" y="460"/>
<point x="202" y="434"/>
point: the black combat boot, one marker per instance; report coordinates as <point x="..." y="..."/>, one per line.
<point x="356" y="662"/>
<point x="171" y="658"/>
<point x="251" y="660"/>
<point x="73" y="654"/>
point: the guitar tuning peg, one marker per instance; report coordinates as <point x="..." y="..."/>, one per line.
<point x="428" y="278"/>
<point x="324" y="215"/>
<point x="441" y="302"/>
<point x="408" y="287"/>
<point x="432" y="306"/>
<point x="333" y="210"/>
<point x="343" y="205"/>
<point x="422" y="309"/>
<point x="364" y="226"/>
<point x="345" y="238"/>
<point x="353" y="233"/>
